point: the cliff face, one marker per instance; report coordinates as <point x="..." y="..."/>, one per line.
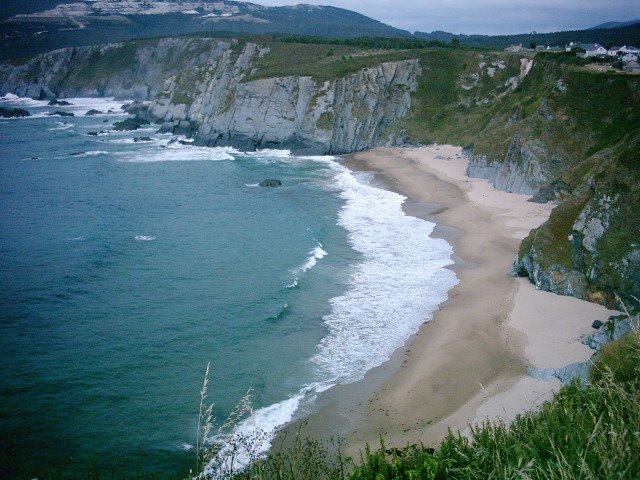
<point x="590" y="247"/>
<point x="521" y="171"/>
<point x="123" y="70"/>
<point x="334" y="116"/>
<point x="198" y="87"/>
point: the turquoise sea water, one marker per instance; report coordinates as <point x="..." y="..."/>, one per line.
<point x="126" y="267"/>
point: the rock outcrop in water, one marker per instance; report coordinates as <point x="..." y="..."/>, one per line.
<point x="13" y="112"/>
<point x="270" y="182"/>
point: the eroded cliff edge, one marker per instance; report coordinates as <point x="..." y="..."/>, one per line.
<point x="539" y="125"/>
<point x="203" y="88"/>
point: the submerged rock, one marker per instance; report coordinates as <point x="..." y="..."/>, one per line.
<point x="13" y="112"/>
<point x="59" y="103"/>
<point x="270" y="182"/>
<point x="93" y="112"/>
<point x="142" y="139"/>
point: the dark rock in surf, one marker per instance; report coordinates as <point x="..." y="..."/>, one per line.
<point x="13" y="112"/>
<point x="130" y="124"/>
<point x="270" y="182"/>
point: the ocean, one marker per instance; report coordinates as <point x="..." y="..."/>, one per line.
<point x="127" y="266"/>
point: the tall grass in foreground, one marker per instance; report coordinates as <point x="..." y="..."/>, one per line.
<point x="232" y="448"/>
<point x="581" y="433"/>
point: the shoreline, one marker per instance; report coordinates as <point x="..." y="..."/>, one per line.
<point x="469" y="362"/>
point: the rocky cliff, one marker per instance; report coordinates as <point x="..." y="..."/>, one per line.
<point x="200" y="87"/>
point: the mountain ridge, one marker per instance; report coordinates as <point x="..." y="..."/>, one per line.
<point x="44" y="25"/>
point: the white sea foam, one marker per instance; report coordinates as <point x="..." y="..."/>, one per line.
<point x="251" y="438"/>
<point x="398" y="284"/>
<point x="396" y="287"/>
<point x="80" y="106"/>
<point x="314" y="255"/>
<point x="144" y="238"/>
<point x="22" y="101"/>
<point x="131" y="141"/>
<point x="270" y="153"/>
<point x="61" y="126"/>
<point x="177" y="152"/>
<point x="92" y="153"/>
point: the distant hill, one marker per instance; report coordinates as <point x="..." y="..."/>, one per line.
<point x="615" y="24"/>
<point x="625" y="35"/>
<point x="35" y="26"/>
<point x="15" y="7"/>
<point x="40" y="25"/>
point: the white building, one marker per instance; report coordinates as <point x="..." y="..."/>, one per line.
<point x="628" y="49"/>
<point x="593" y="49"/>
<point x="613" y="51"/>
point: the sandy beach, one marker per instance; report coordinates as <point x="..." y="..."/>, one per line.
<point x="469" y="362"/>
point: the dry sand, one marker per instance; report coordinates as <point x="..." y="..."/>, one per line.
<point x="469" y="362"/>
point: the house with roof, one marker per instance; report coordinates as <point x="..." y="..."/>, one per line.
<point x="632" y="66"/>
<point x="593" y="49"/>
<point x="629" y="49"/>
<point x="571" y="46"/>
<point x="613" y="51"/>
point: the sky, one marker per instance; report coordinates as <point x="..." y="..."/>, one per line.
<point x="492" y="17"/>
